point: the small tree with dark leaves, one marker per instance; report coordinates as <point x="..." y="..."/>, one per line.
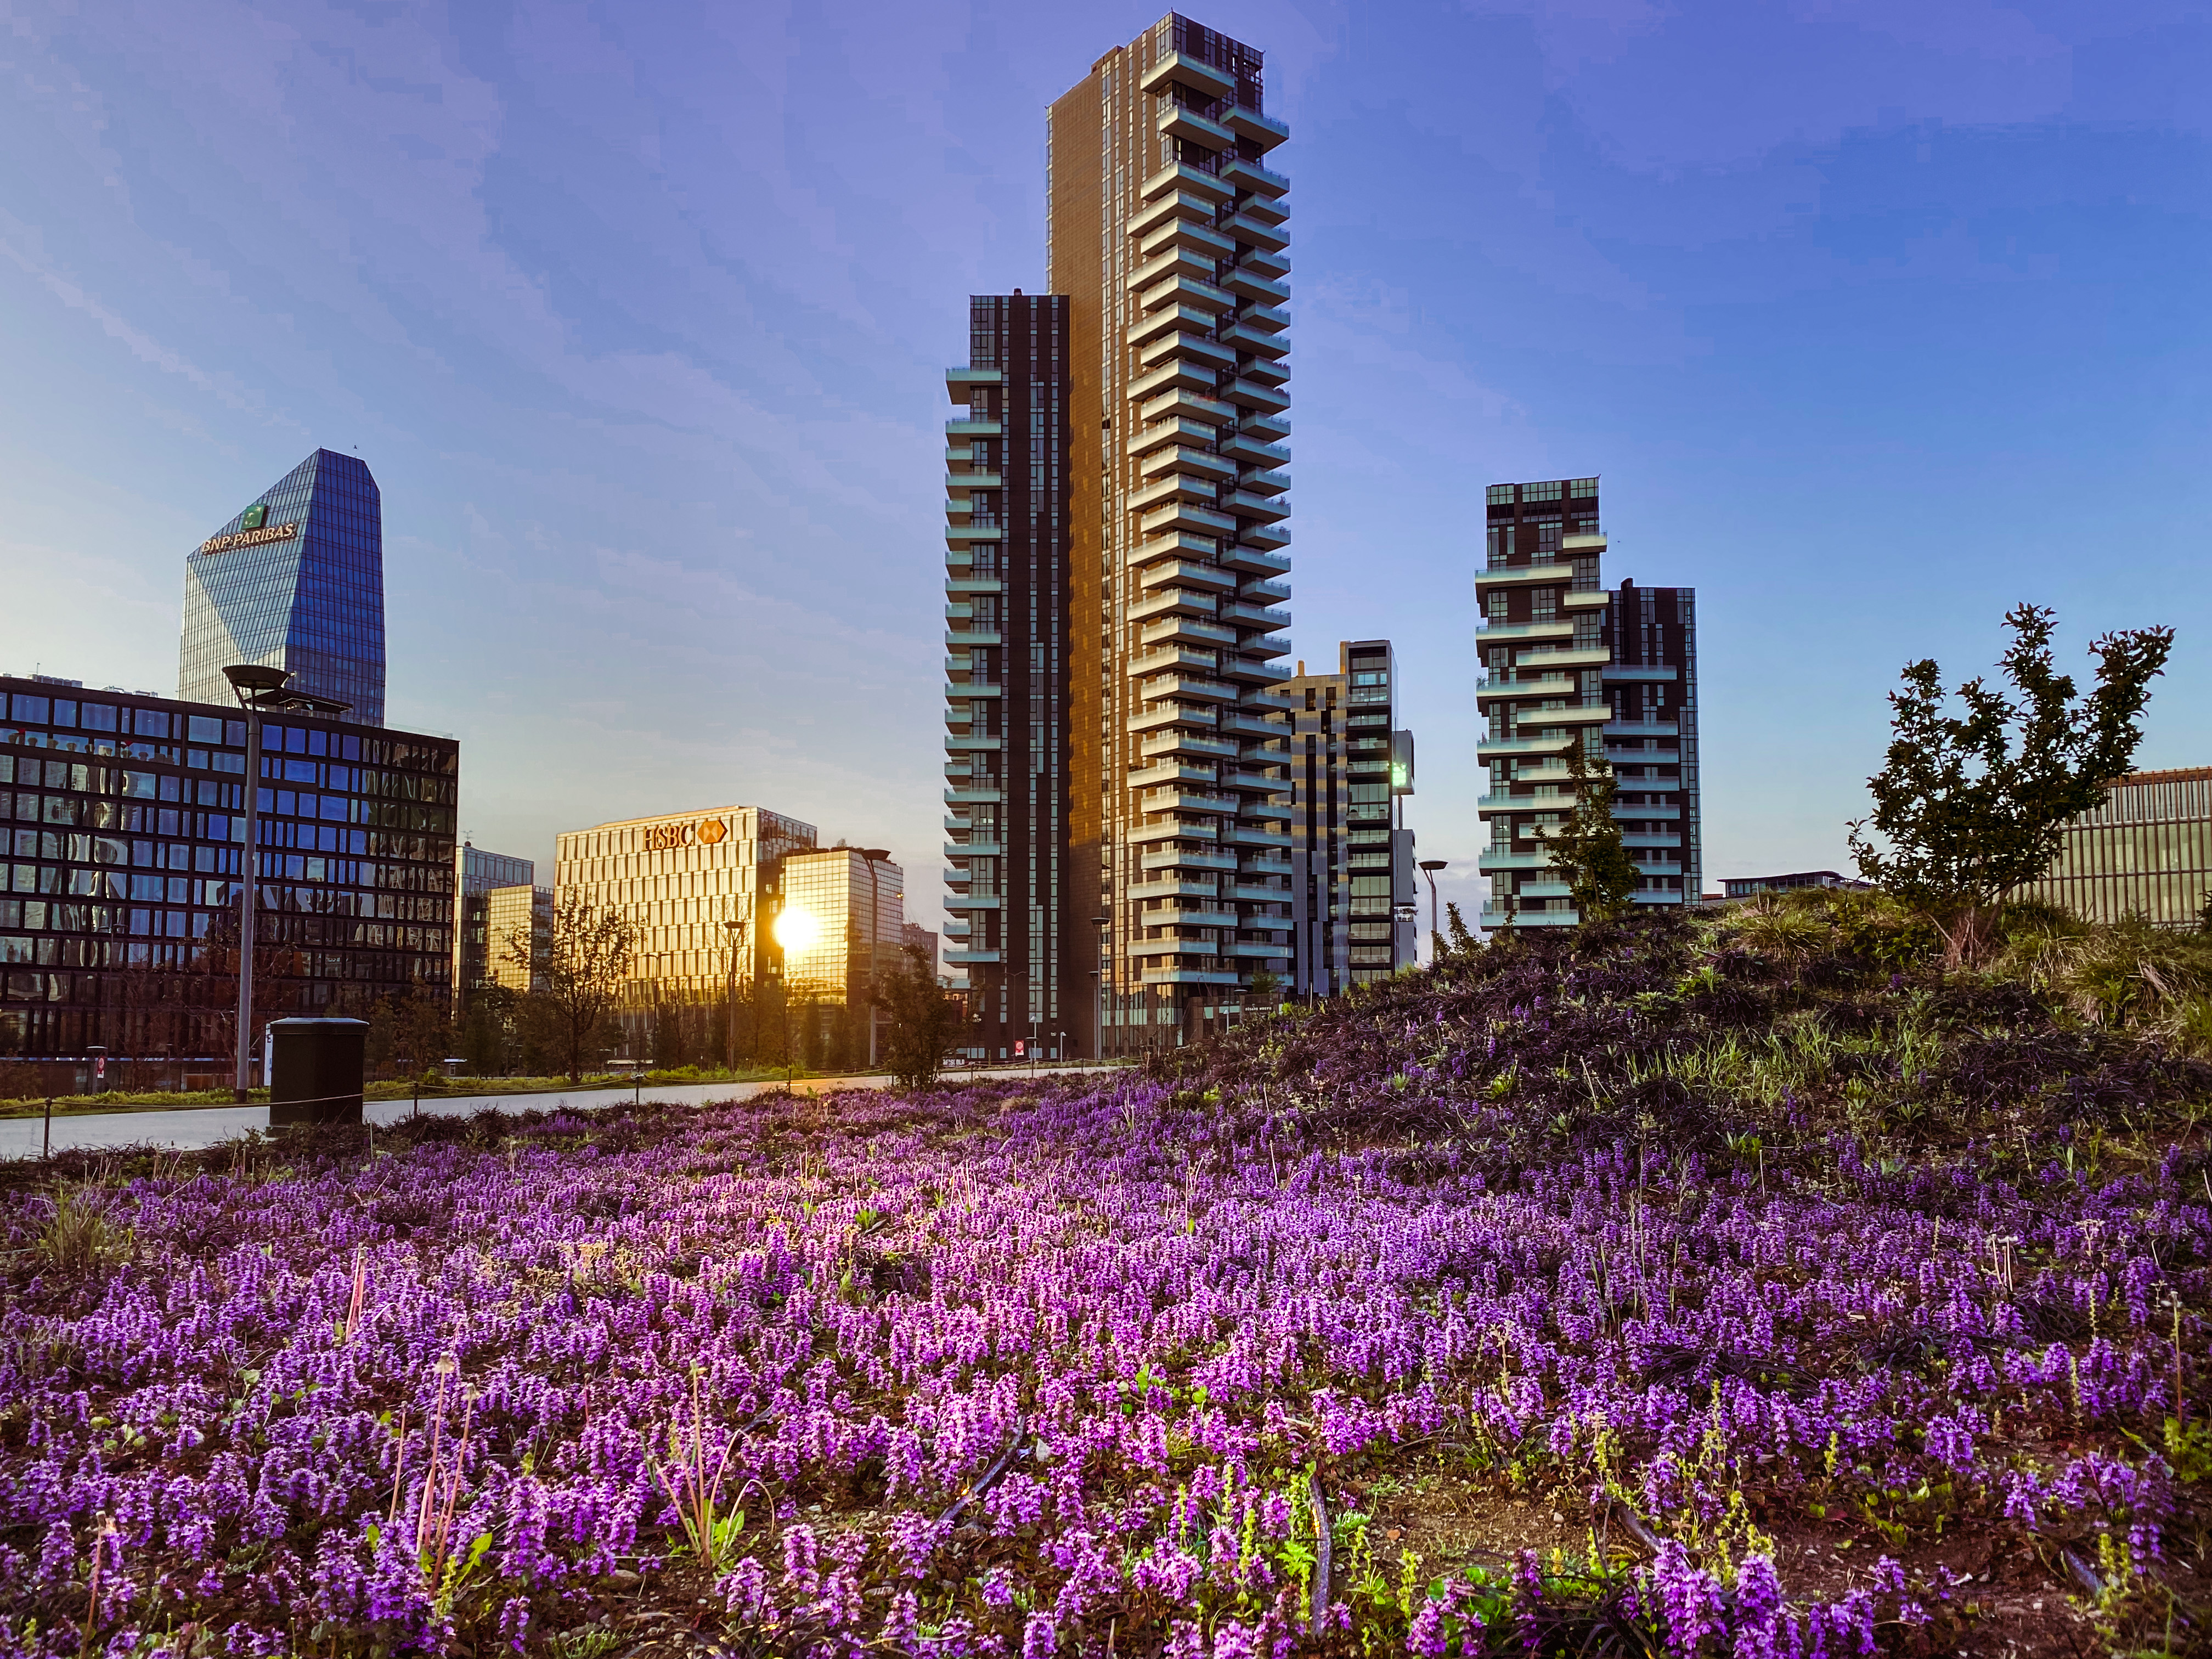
<point x="1588" y="850"/>
<point x="577" y="967"/>
<point x="926" y="1021"/>
<point x="1972" y="806"/>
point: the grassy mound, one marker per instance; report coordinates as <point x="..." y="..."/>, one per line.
<point x="1680" y="1287"/>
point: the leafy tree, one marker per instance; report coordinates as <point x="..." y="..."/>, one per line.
<point x="1587" y="850"/>
<point x="1264" y="992"/>
<point x="925" y="1021"/>
<point x="578" y="966"/>
<point x="1972" y="806"/>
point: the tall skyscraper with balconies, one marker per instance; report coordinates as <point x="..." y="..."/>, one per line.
<point x="1026" y="970"/>
<point x="1565" y="662"/>
<point x="1352" y="855"/>
<point x="295" y="581"/>
<point x="1167" y="239"/>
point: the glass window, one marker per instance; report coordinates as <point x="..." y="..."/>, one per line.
<point x="28" y="708"/>
<point x="151" y="723"/>
<point x="204" y="728"/>
<point x="100" y="716"/>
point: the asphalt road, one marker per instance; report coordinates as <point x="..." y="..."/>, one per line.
<point x="192" y="1127"/>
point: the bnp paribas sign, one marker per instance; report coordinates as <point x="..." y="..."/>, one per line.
<point x="253" y="529"/>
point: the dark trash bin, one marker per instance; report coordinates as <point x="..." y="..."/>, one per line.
<point x="315" y="1071"/>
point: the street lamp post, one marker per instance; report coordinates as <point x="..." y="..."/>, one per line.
<point x="258" y="688"/>
<point x="1429" y="867"/>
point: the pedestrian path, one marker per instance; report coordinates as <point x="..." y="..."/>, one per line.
<point x="193" y="1127"/>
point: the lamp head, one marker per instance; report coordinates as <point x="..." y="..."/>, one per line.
<point x="250" y="679"/>
<point x="1432" y="864"/>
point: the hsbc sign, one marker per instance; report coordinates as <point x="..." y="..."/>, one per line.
<point x="683" y="832"/>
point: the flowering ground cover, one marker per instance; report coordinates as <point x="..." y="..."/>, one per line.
<point x="1642" y="1292"/>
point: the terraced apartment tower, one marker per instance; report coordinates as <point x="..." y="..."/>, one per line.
<point x="1565" y="662"/>
<point x="1168" y="234"/>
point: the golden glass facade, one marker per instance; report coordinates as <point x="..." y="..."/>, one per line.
<point x="512" y="916"/>
<point x="2146" y="851"/>
<point x="826" y="959"/>
<point x="682" y="876"/>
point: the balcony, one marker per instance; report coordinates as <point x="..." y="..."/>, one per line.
<point x="1262" y="895"/>
<point x="961" y="483"/>
<point x="1268" y="809"/>
<point x="1251" y="725"/>
<point x="1273" y="428"/>
<point x="1160" y="890"/>
<point x="1166" y="319"/>
<point x="1185" y="233"/>
<point x="1496" y="691"/>
<point x="975" y="796"/>
<point x="1181" y="205"/>
<point x="1267" y="508"/>
<point x="969" y="745"/>
<point x="1182" y="402"/>
<point x="1180" y="175"/>
<point x="1264" y="560"/>
<point x="1643" y="756"/>
<point x="962" y="691"/>
<point x="1179" y="375"/>
<point x="1173" y="947"/>
<point x="1189" y="630"/>
<point x="1173" y="601"/>
<point x="1259" y="343"/>
<point x="971" y="376"/>
<point x="1253" y="672"/>
<point x="1175" y="486"/>
<point x="1184" y="858"/>
<point x="1250" y="175"/>
<point x="1195" y="347"/>
<point x="1180" y="121"/>
<point x="974" y="849"/>
<point x="1174" y="260"/>
<point x="964" y="902"/>
<point x="1264" y="131"/>
<point x="1164" y="774"/>
<point x="1198" y="462"/>
<point x="1256" y="616"/>
<point x="1586" y="541"/>
<point x="1189" y="976"/>
<point x="1263" y="589"/>
<point x="1188" y="516"/>
<point x="1268" y="209"/>
<point x="1174" y="433"/>
<point x="1260" y="285"/>
<point x="956" y="957"/>
<point x="1189" y="293"/>
<point x="962" y="535"/>
<point x="1258" y="259"/>
<point x="1252" y="451"/>
<point x="1264" y="320"/>
<point x="1555" y="629"/>
<point x="1184" y="798"/>
<point x="1178" y="69"/>
<point x="1522" y="576"/>
<point x="1565" y="656"/>
<point x="1253" y="834"/>
<point x="1177" y="916"/>
<point x="1189" y="742"/>
<point x="1262" y="782"/>
<point x="1250" y="231"/>
<point x="1178" y="544"/>
<point x="1642" y="729"/>
<point x="1209" y="579"/>
<point x="1583" y="600"/>
<point x="972" y="428"/>
<point x="1506" y="748"/>
<point x="1156" y="716"/>
<point x="1182" y="685"/>
<point x="1248" y="393"/>
<point x="968" y="639"/>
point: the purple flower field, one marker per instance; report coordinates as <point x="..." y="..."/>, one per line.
<point x="1276" y="1356"/>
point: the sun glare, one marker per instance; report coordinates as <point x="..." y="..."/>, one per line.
<point x="795" y="930"/>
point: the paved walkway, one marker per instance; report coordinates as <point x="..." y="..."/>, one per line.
<point x="191" y="1127"/>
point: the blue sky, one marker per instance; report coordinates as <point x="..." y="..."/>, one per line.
<point x="1875" y="318"/>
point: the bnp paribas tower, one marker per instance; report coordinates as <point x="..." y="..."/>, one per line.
<point x="295" y="581"/>
<point x="1117" y="758"/>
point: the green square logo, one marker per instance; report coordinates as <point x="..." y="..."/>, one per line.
<point x="256" y="516"/>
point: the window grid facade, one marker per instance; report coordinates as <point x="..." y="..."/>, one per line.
<point x="2146" y="851"/>
<point x="311" y="602"/>
<point x="1351" y="857"/>
<point x="860" y="921"/>
<point x="477" y="873"/>
<point x="1167" y="234"/>
<point x="1009" y="939"/>
<point x="1567" y="664"/>
<point x="125" y="820"/>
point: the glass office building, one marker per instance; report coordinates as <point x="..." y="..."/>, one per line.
<point x="857" y="911"/>
<point x="2146" y="851"/>
<point x="295" y="581"/>
<point x="124" y="828"/>
<point x="476" y="947"/>
<point x="515" y="918"/>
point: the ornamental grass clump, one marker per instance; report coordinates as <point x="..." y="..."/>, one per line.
<point x="1658" y="1289"/>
